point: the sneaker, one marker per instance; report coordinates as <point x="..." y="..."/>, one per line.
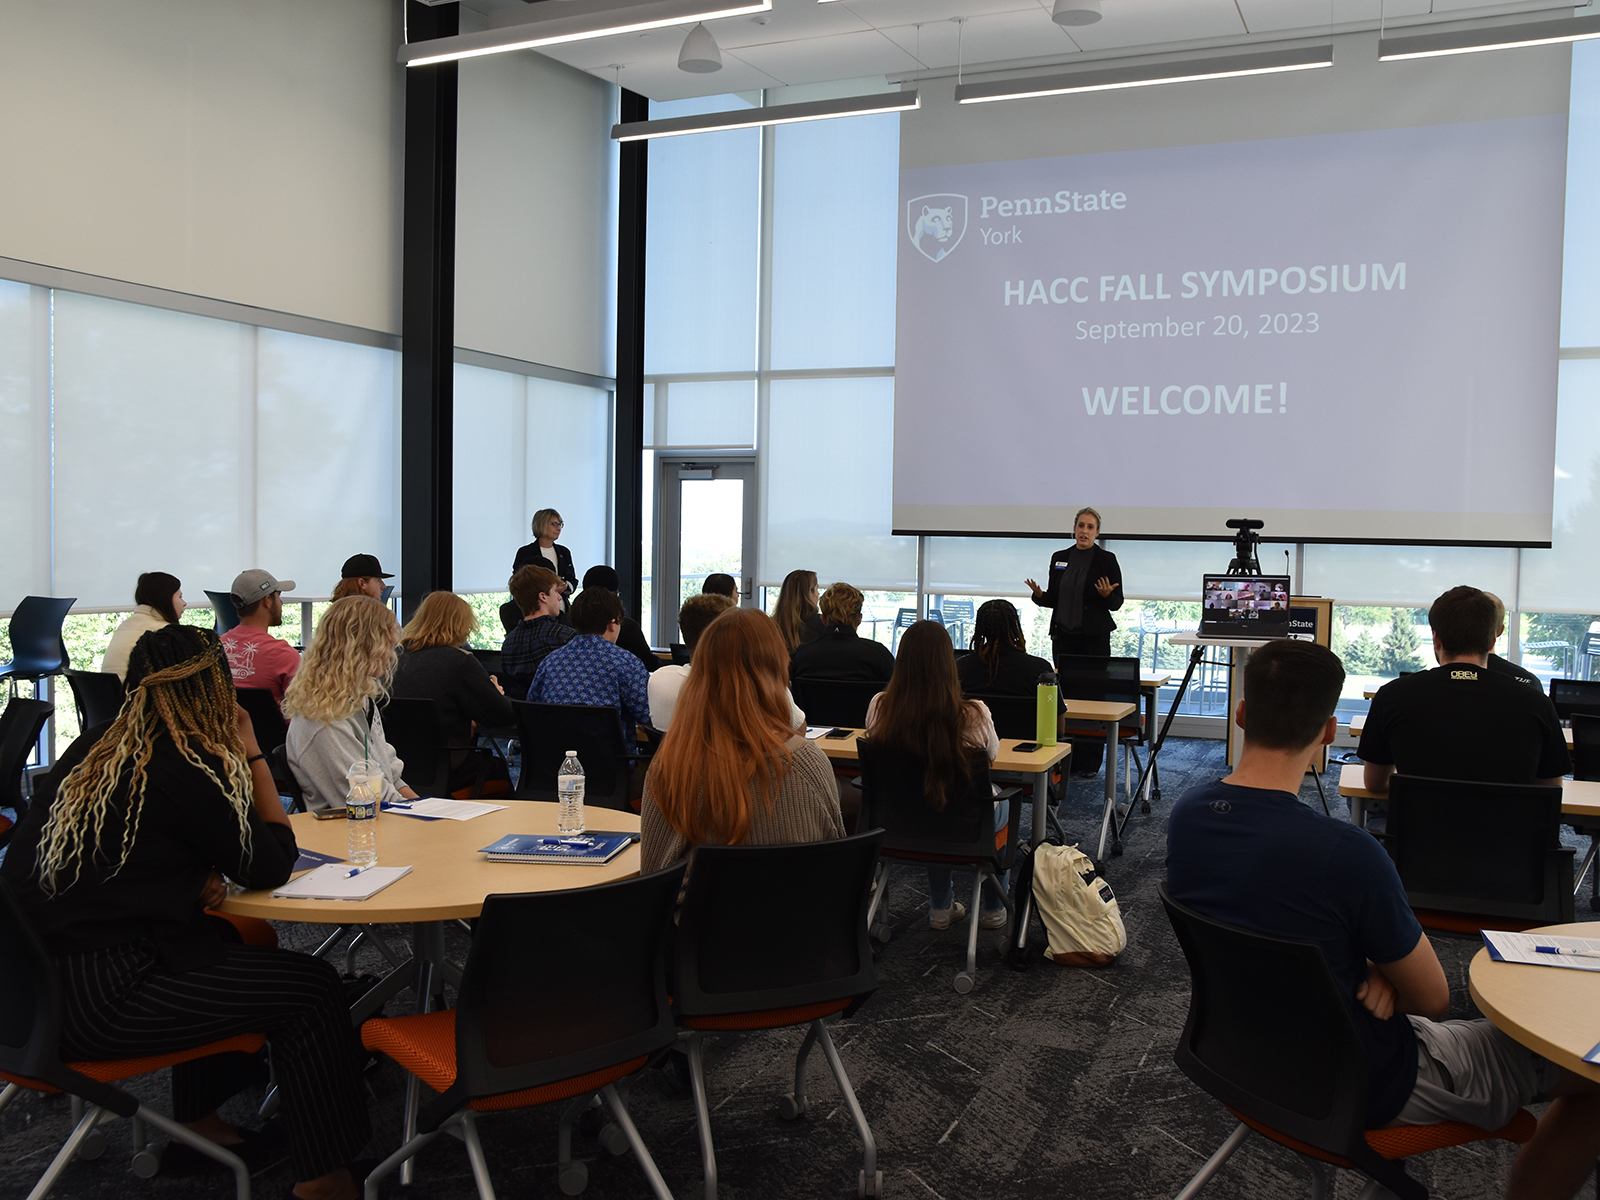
<point x="940" y="918"/>
<point x="993" y="919"/>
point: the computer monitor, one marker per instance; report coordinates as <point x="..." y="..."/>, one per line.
<point x="1254" y="606"/>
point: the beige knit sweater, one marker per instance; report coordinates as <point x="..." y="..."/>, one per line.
<point x="805" y="808"/>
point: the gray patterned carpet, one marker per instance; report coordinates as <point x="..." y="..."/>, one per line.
<point x="1051" y="1082"/>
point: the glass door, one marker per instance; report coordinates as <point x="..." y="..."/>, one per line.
<point x="705" y="525"/>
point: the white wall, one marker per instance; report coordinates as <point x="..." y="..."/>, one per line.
<point x="244" y="150"/>
<point x="535" y="213"/>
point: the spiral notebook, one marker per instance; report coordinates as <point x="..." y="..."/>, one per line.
<point x="595" y="848"/>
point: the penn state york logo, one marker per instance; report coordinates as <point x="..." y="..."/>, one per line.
<point x="936" y="224"/>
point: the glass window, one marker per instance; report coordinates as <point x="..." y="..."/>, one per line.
<point x="827" y="482"/>
<point x="991" y="566"/>
<point x="703" y="413"/>
<point x="491" y="447"/>
<point x="835" y="206"/>
<point x="1173" y="570"/>
<point x="702" y="233"/>
<point x="327" y="480"/>
<point x="1580" y="275"/>
<point x="1554" y="644"/>
<point x="154" y="463"/>
<point x="1567" y="576"/>
<point x="569" y="466"/>
<point x="24" y="446"/>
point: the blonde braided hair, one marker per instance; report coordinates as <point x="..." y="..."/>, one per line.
<point x="193" y="699"/>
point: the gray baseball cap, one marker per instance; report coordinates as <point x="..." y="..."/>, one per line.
<point x="250" y="586"/>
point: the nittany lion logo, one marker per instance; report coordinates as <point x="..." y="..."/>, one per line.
<point x="936" y="224"/>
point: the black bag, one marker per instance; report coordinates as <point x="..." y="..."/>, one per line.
<point x="1021" y="953"/>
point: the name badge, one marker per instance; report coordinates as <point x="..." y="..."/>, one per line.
<point x="1059" y="566"/>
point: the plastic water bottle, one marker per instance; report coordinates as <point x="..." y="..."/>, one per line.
<point x="1044" y="724"/>
<point x="569" y="783"/>
<point x="361" y="811"/>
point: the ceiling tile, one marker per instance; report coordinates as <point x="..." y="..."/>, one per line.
<point x="1154" y="22"/>
<point x="789" y="20"/>
<point x="998" y="37"/>
<point x="882" y="14"/>
<point x="843" y="56"/>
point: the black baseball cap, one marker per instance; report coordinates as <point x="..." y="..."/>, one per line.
<point x="363" y="566"/>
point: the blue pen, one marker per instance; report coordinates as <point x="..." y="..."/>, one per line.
<point x="354" y="871"/>
<point x="1559" y="950"/>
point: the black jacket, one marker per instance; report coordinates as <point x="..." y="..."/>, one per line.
<point x="530" y="554"/>
<point x="1097" y="610"/>
<point x="840" y="654"/>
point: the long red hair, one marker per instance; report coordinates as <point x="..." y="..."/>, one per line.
<point x="729" y="729"/>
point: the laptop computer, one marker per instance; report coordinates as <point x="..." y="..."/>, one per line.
<point x="1248" y="606"/>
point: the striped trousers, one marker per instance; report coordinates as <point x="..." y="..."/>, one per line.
<point x="120" y="1003"/>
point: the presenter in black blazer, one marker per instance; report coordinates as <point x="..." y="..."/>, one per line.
<point x="547" y="527"/>
<point x="1084" y="587"/>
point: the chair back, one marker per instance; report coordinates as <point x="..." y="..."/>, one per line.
<point x="266" y="718"/>
<point x="765" y="927"/>
<point x="490" y="660"/>
<point x="98" y="696"/>
<point x="894" y="799"/>
<point x="413" y="728"/>
<point x="1572" y="696"/>
<point x="835" y="701"/>
<point x="388" y="590"/>
<point x="1091" y="677"/>
<point x="1269" y="1033"/>
<point x="1585" y="746"/>
<point x="562" y="984"/>
<point x="20" y="726"/>
<point x="680" y="654"/>
<point x="957" y="616"/>
<point x="36" y="645"/>
<point x="224" y="609"/>
<point x="548" y="731"/>
<point x="30" y="1012"/>
<point x="1014" y="716"/>
<point x="1490" y="850"/>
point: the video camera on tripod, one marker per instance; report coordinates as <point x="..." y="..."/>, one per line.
<point x="1245" y="541"/>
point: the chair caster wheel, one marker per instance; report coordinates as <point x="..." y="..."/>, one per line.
<point x="1144" y="805"/>
<point x="574" y="1178"/>
<point x="1155" y="794"/>
<point x="92" y="1146"/>
<point x="147" y="1163"/>
<point x="1116" y="849"/>
<point x="964" y="984"/>
<point x="590" y="1121"/>
<point x="874" y="1189"/>
<point x="880" y="932"/>
<point x="614" y="1140"/>
<point x="789" y="1108"/>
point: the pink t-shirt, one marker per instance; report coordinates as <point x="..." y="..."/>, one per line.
<point x="259" y="660"/>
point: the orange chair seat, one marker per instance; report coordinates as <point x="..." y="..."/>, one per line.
<point x="1449" y="922"/>
<point x="1405" y="1140"/>
<point x="253" y="931"/>
<point x="493" y="789"/>
<point x="425" y="1045"/>
<point x="771" y="1018"/>
<point x="111" y="1070"/>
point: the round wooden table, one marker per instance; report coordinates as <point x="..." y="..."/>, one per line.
<point x="448" y="878"/>
<point x="1552" y="1011"/>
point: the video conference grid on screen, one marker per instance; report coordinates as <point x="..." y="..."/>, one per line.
<point x="1254" y="605"/>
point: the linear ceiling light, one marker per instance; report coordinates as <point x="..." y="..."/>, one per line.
<point x="1494" y="37"/>
<point x="575" y="22"/>
<point x="778" y="114"/>
<point x="1112" y="78"/>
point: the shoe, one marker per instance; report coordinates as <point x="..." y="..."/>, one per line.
<point x="259" y="1147"/>
<point x="993" y="919"/>
<point x="940" y="918"/>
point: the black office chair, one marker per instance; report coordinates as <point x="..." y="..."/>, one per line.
<point x="548" y="731"/>
<point x="37" y="648"/>
<point x="490" y="660"/>
<point x="266" y="718"/>
<point x="30" y="1034"/>
<point x="413" y="728"/>
<point x="1272" y="1037"/>
<point x="770" y="937"/>
<point x="962" y="834"/>
<point x="284" y="777"/>
<point x="904" y="619"/>
<point x="1586" y="765"/>
<point x="97" y="695"/>
<point x="1479" y="854"/>
<point x="225" y="611"/>
<point x="20" y="726"/>
<point x="957" y="616"/>
<point x="1014" y="716"/>
<point x="835" y="701"/>
<point x="562" y="997"/>
<point x="1572" y="696"/>
<point x="510" y="615"/>
<point x="680" y="654"/>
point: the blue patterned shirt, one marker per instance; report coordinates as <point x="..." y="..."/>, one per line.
<point x="591" y="670"/>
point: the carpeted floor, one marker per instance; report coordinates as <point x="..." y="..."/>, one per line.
<point x="1050" y="1082"/>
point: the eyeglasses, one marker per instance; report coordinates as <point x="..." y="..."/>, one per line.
<point x="555" y="524"/>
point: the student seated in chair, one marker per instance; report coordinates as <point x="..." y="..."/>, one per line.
<point x="536" y="591"/>
<point x="721" y="584"/>
<point x="256" y="658"/>
<point x="593" y="669"/>
<point x="1246" y="851"/>
<point x="840" y="653"/>
<point x="629" y="636"/>
<point x="736" y="769"/>
<point x="1505" y="666"/>
<point x="1000" y="664"/>
<point x="696" y="614"/>
<point x="1462" y="720"/>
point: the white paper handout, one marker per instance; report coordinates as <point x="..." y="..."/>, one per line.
<point x="341" y="881"/>
<point x="1544" y="949"/>
<point x="438" y="809"/>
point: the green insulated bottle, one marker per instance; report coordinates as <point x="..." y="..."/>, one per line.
<point x="1045" y="711"/>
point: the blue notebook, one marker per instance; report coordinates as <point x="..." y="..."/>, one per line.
<point x="593" y="848"/>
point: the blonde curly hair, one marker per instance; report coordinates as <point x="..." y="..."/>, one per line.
<point x="350" y="662"/>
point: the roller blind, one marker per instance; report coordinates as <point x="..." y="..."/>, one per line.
<point x="24" y="446"/>
<point x="1404" y="576"/>
<point x="1566" y="577"/>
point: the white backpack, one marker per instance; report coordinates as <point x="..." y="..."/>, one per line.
<point x="1078" y="908"/>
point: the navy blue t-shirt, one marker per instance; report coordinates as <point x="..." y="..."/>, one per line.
<point x="1261" y="860"/>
